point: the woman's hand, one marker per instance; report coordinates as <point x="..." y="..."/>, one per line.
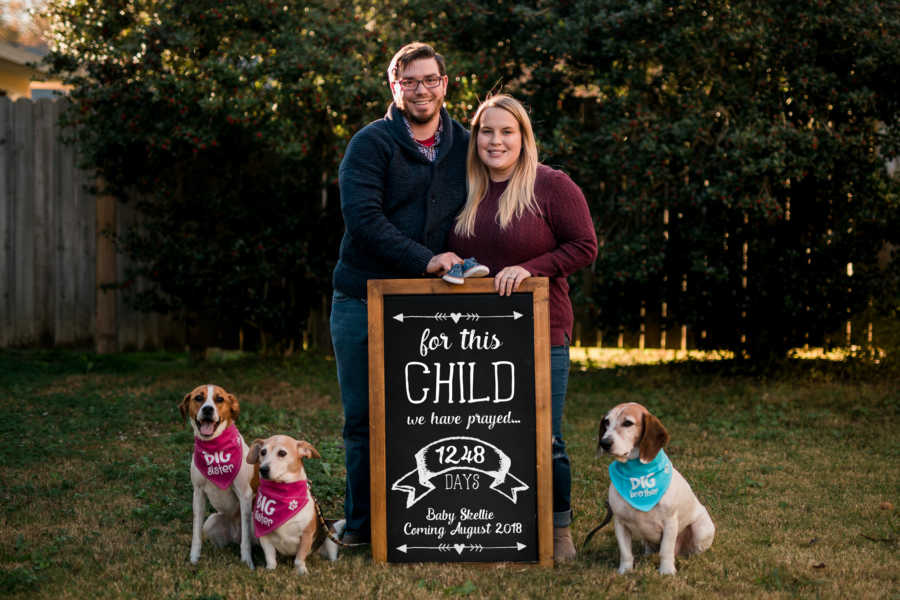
<point x="508" y="279"/>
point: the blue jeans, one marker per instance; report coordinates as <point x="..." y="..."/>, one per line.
<point x="350" y="339"/>
<point x="562" y="473"/>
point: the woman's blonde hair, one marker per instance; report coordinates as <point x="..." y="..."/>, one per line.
<point x="519" y="193"/>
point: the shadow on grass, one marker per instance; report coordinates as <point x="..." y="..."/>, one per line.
<point x="23" y="368"/>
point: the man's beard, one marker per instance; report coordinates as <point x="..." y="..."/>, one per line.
<point x="418" y="120"/>
<point x="412" y="118"/>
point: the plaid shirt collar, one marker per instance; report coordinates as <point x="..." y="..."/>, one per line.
<point x="429" y="152"/>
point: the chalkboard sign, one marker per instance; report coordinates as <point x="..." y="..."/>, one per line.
<point x="459" y="381"/>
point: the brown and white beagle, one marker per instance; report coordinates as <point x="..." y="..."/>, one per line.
<point x="649" y="498"/>
<point x="284" y="513"/>
<point x="219" y="471"/>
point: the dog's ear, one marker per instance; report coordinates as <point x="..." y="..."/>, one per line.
<point x="601" y="431"/>
<point x="653" y="439"/>
<point x="306" y="450"/>
<point x="235" y="406"/>
<point x="183" y="407"/>
<point x="253" y="453"/>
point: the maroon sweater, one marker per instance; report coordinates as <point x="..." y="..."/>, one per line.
<point x="555" y="244"/>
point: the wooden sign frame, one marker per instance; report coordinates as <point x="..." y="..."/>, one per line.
<point x="538" y="287"/>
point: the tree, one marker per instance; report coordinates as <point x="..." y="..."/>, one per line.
<point x="733" y="153"/>
<point x="224" y="121"/>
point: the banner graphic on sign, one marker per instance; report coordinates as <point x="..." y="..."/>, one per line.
<point x="459" y="453"/>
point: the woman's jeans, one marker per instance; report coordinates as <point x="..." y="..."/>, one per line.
<point x="349" y="336"/>
<point x="562" y="474"/>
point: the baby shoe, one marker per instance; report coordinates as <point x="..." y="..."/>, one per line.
<point x="455" y="275"/>
<point x="472" y="268"/>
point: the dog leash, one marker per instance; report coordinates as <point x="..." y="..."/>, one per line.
<point x="606" y="520"/>
<point x="327" y="527"/>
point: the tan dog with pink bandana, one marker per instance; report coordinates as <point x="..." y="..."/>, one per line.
<point x="284" y="515"/>
<point x="219" y="471"/>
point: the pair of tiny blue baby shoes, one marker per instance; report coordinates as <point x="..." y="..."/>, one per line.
<point x="467" y="268"/>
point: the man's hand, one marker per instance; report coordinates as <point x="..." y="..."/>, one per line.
<point x="441" y="263"/>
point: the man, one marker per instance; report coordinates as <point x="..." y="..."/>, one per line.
<point x="402" y="181"/>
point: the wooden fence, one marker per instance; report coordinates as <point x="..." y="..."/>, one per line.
<point x="49" y="242"/>
<point x="54" y="257"/>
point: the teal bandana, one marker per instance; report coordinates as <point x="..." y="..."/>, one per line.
<point x="642" y="485"/>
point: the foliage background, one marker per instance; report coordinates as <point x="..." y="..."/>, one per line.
<point x="733" y="153"/>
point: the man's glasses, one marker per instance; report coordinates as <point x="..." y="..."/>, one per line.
<point x="410" y="84"/>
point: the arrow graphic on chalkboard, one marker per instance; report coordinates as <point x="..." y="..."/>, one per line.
<point x="460" y="547"/>
<point x="455" y="316"/>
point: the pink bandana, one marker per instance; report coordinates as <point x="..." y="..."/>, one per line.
<point x="221" y="458"/>
<point x="276" y="503"/>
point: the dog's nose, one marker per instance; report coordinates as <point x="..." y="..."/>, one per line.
<point x="264" y="471"/>
<point x="207" y="412"/>
<point x="606" y="443"/>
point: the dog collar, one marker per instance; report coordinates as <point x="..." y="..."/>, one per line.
<point x="220" y="459"/>
<point x="276" y="503"/>
<point x="642" y="485"/>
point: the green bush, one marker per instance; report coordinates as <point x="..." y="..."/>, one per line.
<point x="733" y="154"/>
<point x="759" y="130"/>
<point x="224" y="121"/>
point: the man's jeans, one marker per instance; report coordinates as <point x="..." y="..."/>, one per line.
<point x="350" y="339"/>
<point x="562" y="475"/>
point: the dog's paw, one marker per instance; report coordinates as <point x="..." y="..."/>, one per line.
<point x="339" y="527"/>
<point x="328" y="550"/>
<point x="666" y="569"/>
<point x="248" y="560"/>
<point x="624" y="568"/>
<point x="301" y="569"/>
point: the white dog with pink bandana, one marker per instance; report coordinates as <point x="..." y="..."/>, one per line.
<point x="219" y="471"/>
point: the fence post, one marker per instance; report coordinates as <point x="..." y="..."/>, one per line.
<point x="107" y="338"/>
<point x="7" y="225"/>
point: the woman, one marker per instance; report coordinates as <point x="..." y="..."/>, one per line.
<point x="523" y="219"/>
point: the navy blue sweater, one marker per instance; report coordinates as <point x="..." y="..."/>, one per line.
<point x="398" y="207"/>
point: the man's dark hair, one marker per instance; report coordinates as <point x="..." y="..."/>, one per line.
<point x="409" y="53"/>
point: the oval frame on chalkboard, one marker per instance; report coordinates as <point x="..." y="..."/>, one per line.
<point x="459" y="422"/>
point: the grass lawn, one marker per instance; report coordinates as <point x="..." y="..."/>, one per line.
<point x="799" y="468"/>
